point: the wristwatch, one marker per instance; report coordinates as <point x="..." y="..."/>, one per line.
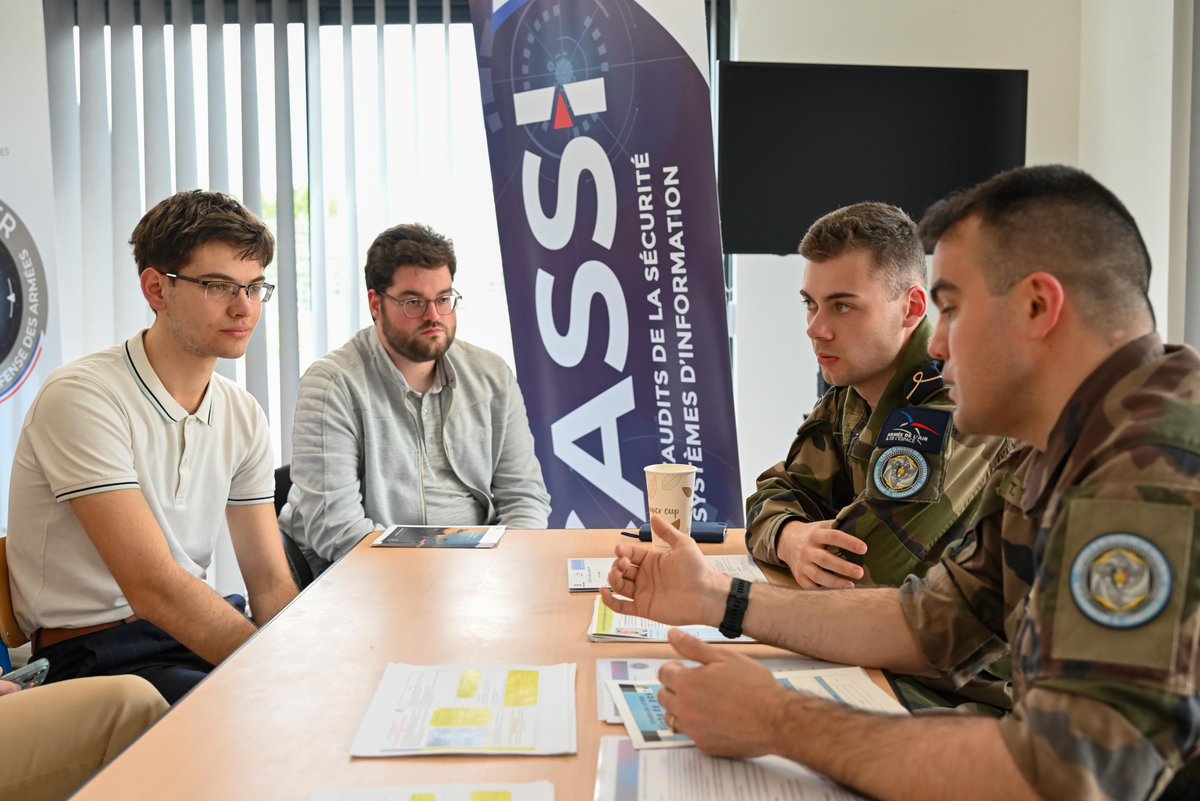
<point x="735" y="608"/>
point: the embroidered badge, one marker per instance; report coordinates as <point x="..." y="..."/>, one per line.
<point x="1120" y="580"/>
<point x="924" y="382"/>
<point x="920" y="429"/>
<point x="901" y="472"/>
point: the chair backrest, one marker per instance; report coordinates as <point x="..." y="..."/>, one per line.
<point x="301" y="570"/>
<point x="10" y="632"/>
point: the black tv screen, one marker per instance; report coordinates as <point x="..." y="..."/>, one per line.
<point x="795" y="141"/>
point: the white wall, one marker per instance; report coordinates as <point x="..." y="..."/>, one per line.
<point x="1125" y="124"/>
<point x="774" y="369"/>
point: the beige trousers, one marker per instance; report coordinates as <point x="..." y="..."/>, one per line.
<point x="54" y="737"/>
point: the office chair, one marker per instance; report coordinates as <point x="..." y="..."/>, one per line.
<point x="10" y="633"/>
<point x="301" y="572"/>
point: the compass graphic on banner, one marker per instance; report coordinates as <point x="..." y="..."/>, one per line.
<point x="571" y="72"/>
<point x="23" y="299"/>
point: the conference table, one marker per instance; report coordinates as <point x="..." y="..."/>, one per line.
<point x="276" y="720"/>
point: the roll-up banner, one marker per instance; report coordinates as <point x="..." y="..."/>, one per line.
<point x="600" y="139"/>
<point x="28" y="351"/>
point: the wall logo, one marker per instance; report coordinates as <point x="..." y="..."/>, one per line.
<point x="23" y="307"/>
<point x="574" y="99"/>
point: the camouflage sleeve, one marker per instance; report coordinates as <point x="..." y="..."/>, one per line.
<point x="810" y="484"/>
<point x="1107" y="693"/>
<point x="956" y="611"/>
<point x="908" y="536"/>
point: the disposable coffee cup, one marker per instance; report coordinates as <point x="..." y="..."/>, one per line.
<point x="669" y="492"/>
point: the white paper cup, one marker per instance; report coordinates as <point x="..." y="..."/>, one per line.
<point x="669" y="492"/>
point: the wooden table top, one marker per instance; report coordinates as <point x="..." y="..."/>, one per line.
<point x="277" y="719"/>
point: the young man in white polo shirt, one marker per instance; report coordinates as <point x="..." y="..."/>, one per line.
<point x="131" y="460"/>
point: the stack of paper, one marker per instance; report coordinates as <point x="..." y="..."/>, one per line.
<point x="589" y="575"/>
<point x="470" y="709"/>
<point x="608" y="626"/>
<point x="534" y="791"/>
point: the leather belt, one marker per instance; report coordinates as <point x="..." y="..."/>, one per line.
<point x="44" y="638"/>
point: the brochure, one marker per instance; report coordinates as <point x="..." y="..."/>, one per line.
<point x="534" y="791"/>
<point x="608" y="626"/>
<point x="645" y="720"/>
<point x="439" y="537"/>
<point x="647" y="670"/>
<point x="590" y="574"/>
<point x="685" y="774"/>
<point x="470" y="709"/>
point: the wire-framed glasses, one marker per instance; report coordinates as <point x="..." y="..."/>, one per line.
<point x="227" y="291"/>
<point x="415" y="307"/>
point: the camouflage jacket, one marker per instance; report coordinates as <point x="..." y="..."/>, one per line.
<point x="1084" y="560"/>
<point x="898" y="477"/>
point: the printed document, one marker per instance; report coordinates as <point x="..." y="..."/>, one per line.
<point x="644" y="670"/>
<point x="686" y="774"/>
<point x="535" y="791"/>
<point x="608" y="626"/>
<point x="470" y="709"/>
<point x="645" y="720"/>
<point x="590" y="574"/>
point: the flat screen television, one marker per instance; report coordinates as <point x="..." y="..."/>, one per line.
<point x="795" y="141"/>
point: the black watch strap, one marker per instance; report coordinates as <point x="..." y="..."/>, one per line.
<point x="735" y="608"/>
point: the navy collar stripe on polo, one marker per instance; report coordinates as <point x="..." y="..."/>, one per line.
<point x="149" y="393"/>
<point x="152" y="387"/>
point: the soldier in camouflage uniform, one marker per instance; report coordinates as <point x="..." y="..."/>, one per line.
<point x="1082" y="561"/>
<point x="877" y="471"/>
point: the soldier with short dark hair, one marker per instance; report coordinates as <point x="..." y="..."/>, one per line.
<point x="1082" y="565"/>
<point x="878" y="481"/>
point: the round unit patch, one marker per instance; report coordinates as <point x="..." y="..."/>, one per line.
<point x="901" y="472"/>
<point x="1120" y="580"/>
<point x="22" y="303"/>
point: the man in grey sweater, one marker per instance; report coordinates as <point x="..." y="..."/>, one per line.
<point x="403" y="424"/>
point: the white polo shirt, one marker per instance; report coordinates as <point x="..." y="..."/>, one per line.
<point x="104" y="423"/>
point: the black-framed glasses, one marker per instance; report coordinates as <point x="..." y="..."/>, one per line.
<point x="415" y="307"/>
<point x="227" y="290"/>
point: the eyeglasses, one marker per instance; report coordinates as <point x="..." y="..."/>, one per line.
<point x="415" y="307"/>
<point x="227" y="290"/>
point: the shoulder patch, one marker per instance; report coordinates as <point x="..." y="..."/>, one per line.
<point x="901" y="472"/>
<point x="1120" y="580"/>
<point x="920" y="429"/>
<point x="926" y="380"/>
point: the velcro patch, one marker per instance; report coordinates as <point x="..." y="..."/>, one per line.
<point x="916" y="428"/>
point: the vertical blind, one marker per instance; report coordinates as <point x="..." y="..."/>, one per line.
<point x="331" y="119"/>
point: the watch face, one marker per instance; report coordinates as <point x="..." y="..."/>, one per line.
<point x="23" y="313"/>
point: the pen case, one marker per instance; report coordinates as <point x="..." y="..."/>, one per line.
<point x="701" y="532"/>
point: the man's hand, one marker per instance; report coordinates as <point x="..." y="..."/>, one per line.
<point x="676" y="587"/>
<point x="803" y="547"/>
<point x="8" y="688"/>
<point x="726" y="705"/>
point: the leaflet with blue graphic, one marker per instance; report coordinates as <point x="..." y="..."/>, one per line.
<point x="624" y="773"/>
<point x="645" y="719"/>
<point x="646" y="670"/>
